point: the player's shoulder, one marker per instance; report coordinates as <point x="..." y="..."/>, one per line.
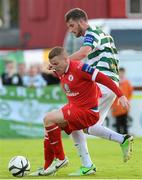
<point x="92" y="31"/>
<point x="83" y="67"/>
<point x="76" y="65"/>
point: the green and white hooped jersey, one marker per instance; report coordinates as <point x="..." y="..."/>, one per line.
<point x="104" y="55"/>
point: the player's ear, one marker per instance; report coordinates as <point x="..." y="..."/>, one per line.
<point x="80" y="21"/>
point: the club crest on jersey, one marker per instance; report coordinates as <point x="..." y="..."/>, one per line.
<point x="70" y="77"/>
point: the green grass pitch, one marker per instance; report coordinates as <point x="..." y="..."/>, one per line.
<point x="106" y="155"/>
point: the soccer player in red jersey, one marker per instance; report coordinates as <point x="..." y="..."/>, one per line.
<point x="78" y="81"/>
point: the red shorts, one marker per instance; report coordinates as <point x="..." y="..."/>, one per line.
<point x="79" y="118"/>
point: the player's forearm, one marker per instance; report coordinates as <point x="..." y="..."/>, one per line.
<point x="106" y="81"/>
<point x="81" y="53"/>
<point x="78" y="55"/>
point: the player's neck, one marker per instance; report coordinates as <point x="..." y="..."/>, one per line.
<point x="85" y="27"/>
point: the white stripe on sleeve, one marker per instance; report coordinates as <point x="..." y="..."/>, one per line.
<point x="95" y="74"/>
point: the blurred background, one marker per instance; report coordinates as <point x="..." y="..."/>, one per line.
<point x="29" y="28"/>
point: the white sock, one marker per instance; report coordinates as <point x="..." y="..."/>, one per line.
<point x="81" y="145"/>
<point x="103" y="132"/>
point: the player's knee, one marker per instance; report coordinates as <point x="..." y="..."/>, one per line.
<point x="48" y="119"/>
<point x="45" y="120"/>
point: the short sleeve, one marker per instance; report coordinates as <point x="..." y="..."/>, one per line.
<point x="91" y="39"/>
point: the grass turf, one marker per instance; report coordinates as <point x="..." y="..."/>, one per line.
<point x="106" y="155"/>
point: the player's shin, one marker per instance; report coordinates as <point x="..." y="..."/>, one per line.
<point x="54" y="134"/>
<point x="81" y="145"/>
<point x="48" y="152"/>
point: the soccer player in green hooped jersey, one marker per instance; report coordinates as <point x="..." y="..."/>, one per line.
<point x="100" y="50"/>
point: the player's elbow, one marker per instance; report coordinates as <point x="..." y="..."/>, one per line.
<point x="83" y="54"/>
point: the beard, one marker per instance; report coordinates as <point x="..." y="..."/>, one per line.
<point x="80" y="31"/>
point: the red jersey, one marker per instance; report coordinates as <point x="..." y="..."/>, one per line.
<point x="83" y="94"/>
<point x="78" y="85"/>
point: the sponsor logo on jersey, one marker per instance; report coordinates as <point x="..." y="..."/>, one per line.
<point x="72" y="94"/>
<point x="68" y="91"/>
<point x="89" y="38"/>
<point x="66" y="88"/>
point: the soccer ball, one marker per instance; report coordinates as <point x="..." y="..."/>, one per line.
<point x="19" y="166"/>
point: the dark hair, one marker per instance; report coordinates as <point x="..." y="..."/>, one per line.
<point x="76" y="14"/>
<point x="56" y="51"/>
<point x="122" y="69"/>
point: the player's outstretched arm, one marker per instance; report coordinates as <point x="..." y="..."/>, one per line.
<point x="81" y="53"/>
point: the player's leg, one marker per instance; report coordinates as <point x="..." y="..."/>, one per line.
<point x="103" y="132"/>
<point x="98" y="129"/>
<point x="54" y="133"/>
<point x="125" y="141"/>
<point x="80" y="143"/>
<point x="76" y="118"/>
<point x="53" y="143"/>
<point x="105" y="103"/>
<point x="79" y="138"/>
<point x="48" y="156"/>
<point x="48" y="152"/>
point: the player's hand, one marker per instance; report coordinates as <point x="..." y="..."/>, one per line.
<point x="47" y="68"/>
<point x="124" y="102"/>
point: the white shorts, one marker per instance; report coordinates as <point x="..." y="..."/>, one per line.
<point x="105" y="102"/>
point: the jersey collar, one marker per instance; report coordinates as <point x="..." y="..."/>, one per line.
<point x="67" y="68"/>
